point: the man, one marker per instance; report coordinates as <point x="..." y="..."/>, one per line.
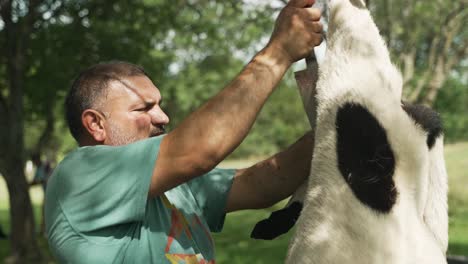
<point x="132" y="194"/>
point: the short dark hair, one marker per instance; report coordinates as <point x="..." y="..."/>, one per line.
<point x="91" y="85"/>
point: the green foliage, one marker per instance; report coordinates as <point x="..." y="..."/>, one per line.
<point x="279" y="124"/>
<point x="452" y="104"/>
<point x="427" y="39"/>
<point x="82" y="33"/>
<point x="192" y="49"/>
<point x="186" y="47"/>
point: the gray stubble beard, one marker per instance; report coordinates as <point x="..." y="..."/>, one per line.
<point x="119" y="136"/>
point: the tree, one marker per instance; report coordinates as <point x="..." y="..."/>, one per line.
<point x="17" y="30"/>
<point x="429" y="39"/>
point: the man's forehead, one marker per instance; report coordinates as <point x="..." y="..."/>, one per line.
<point x="135" y="86"/>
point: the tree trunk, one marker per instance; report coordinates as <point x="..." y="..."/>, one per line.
<point x="48" y="132"/>
<point x="435" y="84"/>
<point x="23" y="244"/>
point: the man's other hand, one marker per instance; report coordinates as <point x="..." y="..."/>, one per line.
<point x="297" y="30"/>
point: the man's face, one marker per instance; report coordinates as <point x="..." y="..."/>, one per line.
<point x="132" y="111"/>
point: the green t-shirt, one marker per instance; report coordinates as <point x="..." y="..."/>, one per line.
<point x="98" y="211"/>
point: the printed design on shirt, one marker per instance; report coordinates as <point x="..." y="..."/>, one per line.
<point x="187" y="259"/>
<point x="179" y="227"/>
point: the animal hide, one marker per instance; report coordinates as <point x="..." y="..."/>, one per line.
<point x="377" y="192"/>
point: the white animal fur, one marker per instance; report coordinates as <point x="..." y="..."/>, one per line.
<point x="335" y="227"/>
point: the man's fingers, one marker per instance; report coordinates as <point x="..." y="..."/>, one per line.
<point x="316" y="27"/>
<point x="315" y="39"/>
<point x="313" y="13"/>
<point x="301" y="3"/>
<point x="295" y="30"/>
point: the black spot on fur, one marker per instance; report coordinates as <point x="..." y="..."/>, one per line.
<point x="365" y="158"/>
<point x="278" y="223"/>
<point x="428" y="119"/>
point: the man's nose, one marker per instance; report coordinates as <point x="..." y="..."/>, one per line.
<point x="158" y="117"/>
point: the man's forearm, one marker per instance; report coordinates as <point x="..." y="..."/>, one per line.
<point x="273" y="179"/>
<point x="219" y="126"/>
<point x="291" y="170"/>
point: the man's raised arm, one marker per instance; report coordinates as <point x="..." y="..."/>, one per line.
<point x="213" y="131"/>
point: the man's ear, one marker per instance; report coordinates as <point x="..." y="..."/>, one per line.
<point x="93" y="122"/>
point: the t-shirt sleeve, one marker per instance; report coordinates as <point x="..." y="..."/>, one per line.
<point x="103" y="186"/>
<point x="211" y="192"/>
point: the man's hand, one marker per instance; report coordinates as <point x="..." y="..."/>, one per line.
<point x="297" y="30"/>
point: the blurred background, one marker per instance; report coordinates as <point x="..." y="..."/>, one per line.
<point x="191" y="49"/>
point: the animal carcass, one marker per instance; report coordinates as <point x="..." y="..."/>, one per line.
<point x="377" y="192"/>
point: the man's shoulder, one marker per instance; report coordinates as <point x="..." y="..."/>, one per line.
<point x="69" y="163"/>
<point x="85" y="155"/>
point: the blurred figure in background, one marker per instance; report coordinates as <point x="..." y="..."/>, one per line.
<point x="41" y="175"/>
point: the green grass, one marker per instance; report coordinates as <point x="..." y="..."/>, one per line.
<point x="234" y="245"/>
<point x="458" y="233"/>
<point x="456" y="158"/>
